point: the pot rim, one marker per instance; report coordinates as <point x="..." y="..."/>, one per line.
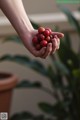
<point x="8" y="82"/>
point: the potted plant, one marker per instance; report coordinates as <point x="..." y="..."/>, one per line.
<point x="7" y="83"/>
<point x="65" y="80"/>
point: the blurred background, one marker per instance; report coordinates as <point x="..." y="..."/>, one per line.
<point x="44" y="13"/>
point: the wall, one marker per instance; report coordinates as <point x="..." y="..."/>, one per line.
<point x="44" y="6"/>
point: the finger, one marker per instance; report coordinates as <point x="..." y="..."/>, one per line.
<point x="58" y="42"/>
<point x="54" y="45"/>
<point x="39" y="53"/>
<point x="59" y="34"/>
<point x="48" y="50"/>
<point x="34" y="32"/>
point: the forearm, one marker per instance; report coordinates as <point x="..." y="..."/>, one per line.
<point x="16" y="14"/>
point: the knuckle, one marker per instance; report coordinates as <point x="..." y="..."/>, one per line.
<point x="49" y="50"/>
<point x="43" y="57"/>
<point x="36" y="55"/>
<point x="54" y="45"/>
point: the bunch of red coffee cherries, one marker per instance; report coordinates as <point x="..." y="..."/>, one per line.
<point x="42" y="38"/>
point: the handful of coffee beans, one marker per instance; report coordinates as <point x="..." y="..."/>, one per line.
<point x="42" y="38"/>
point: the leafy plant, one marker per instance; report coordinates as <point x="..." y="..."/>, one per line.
<point x="65" y="79"/>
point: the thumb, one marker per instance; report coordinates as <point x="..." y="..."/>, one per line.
<point x="59" y="34"/>
<point x="39" y="53"/>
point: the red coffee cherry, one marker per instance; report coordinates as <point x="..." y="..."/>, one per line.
<point x="41" y="29"/>
<point x="38" y="46"/>
<point x="41" y="37"/>
<point x="43" y="43"/>
<point x="49" y="30"/>
<point x="46" y="33"/>
<point x="48" y="39"/>
<point x="35" y="40"/>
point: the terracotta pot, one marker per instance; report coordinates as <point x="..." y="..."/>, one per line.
<point x="7" y="84"/>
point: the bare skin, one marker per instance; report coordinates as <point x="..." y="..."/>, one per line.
<point x="15" y="12"/>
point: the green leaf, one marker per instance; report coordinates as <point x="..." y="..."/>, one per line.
<point x="57" y="110"/>
<point x="67" y="40"/>
<point x="15" y="117"/>
<point x="50" y="119"/>
<point x="26" y="61"/>
<point x="26" y="115"/>
<point x="22" y="116"/>
<point x="79" y="9"/>
<point x="68" y="57"/>
<point x="45" y="107"/>
<point x="52" y="76"/>
<point x="38" y="66"/>
<point x="56" y="81"/>
<point x="36" y="26"/>
<point x="76" y="73"/>
<point x="13" y="38"/>
<point x="61" y="68"/>
<point x="28" y="84"/>
<point x="50" y="72"/>
<point x="71" y="19"/>
<point x="39" y="117"/>
<point x="16" y="58"/>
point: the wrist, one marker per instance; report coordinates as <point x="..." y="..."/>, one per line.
<point x="26" y="34"/>
<point x="24" y="29"/>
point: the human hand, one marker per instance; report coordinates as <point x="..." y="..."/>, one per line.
<point x="24" y="28"/>
<point x="45" y="51"/>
